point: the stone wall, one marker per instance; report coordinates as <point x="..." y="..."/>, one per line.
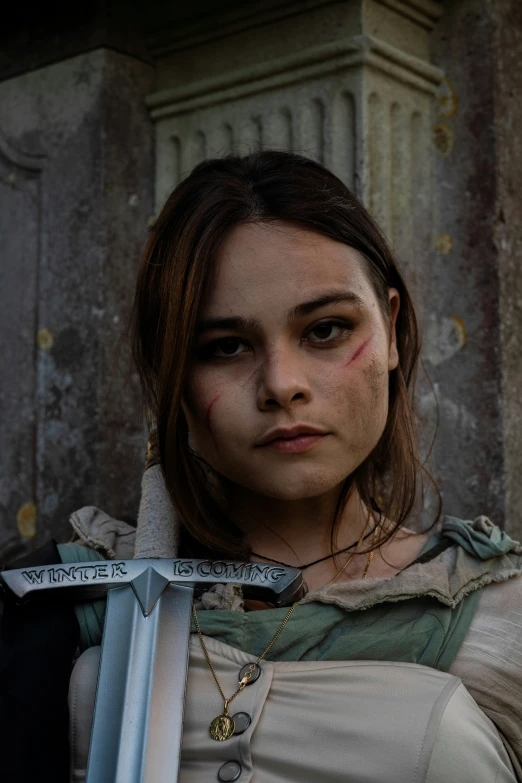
<point x="412" y="102"/>
<point x="471" y="299"/>
<point x="507" y="238"/>
<point x="75" y="199"/>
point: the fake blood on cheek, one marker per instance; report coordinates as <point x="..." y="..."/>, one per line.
<point x="358" y="352"/>
<point x="209" y="409"/>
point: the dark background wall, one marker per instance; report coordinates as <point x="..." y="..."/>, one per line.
<point x="472" y="289"/>
<point x="76" y="199"/>
<point x="76" y="195"/>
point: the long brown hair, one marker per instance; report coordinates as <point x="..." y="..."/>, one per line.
<point x="176" y="273"/>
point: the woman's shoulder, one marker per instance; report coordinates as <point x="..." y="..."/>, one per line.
<point x="496" y="629"/>
<point x="503" y="598"/>
<point x="489" y="660"/>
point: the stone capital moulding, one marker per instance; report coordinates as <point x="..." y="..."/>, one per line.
<point x="424" y="12"/>
<point x="316" y="61"/>
<point x="171" y="38"/>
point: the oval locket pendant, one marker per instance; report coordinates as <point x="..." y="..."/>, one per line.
<point x="222" y="728"/>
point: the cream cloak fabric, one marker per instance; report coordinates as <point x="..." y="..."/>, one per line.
<point x="489" y="662"/>
<point x="321" y="722"/>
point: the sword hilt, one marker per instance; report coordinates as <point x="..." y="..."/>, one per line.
<point x="140" y="696"/>
<point x="89" y="580"/>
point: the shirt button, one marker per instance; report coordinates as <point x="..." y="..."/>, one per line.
<point x="242" y="721"/>
<point x="230" y="770"/>
<point x="253" y="676"/>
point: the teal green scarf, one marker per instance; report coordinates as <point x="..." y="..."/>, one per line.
<point x="416" y="627"/>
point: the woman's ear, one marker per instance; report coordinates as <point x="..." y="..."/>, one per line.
<point x="395" y="302"/>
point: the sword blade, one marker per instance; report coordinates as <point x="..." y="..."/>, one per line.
<point x="140" y="696"/>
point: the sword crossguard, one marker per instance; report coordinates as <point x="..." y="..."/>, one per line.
<point x="85" y="581"/>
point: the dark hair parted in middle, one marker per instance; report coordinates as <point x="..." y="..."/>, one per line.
<point x="175" y="275"/>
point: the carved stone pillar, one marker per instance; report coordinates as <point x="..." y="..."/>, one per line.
<point x="348" y="84"/>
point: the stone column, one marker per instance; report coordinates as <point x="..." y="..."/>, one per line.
<point x="348" y="84"/>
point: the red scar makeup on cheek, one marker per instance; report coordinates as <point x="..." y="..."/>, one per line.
<point x="216" y="398"/>
<point x="358" y="352"/>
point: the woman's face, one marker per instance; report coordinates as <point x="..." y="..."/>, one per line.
<point x="327" y="367"/>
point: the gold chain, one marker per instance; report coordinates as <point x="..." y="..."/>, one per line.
<point x="246" y="678"/>
<point x="224" y="727"/>
<point x="354" y="553"/>
<point x="370" y="556"/>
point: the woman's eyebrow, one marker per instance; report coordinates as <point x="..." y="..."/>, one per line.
<point x="239" y="323"/>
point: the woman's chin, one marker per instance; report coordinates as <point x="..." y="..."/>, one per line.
<point x="287" y="488"/>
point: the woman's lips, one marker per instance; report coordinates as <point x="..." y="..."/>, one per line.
<point x="293" y="445"/>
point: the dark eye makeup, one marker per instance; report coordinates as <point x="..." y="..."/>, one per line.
<point x="208" y="351"/>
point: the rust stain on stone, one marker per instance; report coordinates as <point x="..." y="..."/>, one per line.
<point x="45" y="339"/>
<point x="448" y="101"/>
<point x="460" y="329"/>
<point x="26" y="520"/>
<point x="443" y="138"/>
<point x="444" y="337"/>
<point x="444" y="244"/>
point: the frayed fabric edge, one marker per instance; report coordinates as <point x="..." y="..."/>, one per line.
<point x="474" y="584"/>
<point x="86" y="536"/>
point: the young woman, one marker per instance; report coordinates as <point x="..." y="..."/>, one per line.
<point x="277" y="347"/>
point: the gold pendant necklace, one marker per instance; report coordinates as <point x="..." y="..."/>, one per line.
<point x="223" y="727"/>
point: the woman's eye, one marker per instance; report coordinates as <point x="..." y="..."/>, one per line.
<point x="328" y="326"/>
<point x="210" y="349"/>
<point x="324" y="329"/>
